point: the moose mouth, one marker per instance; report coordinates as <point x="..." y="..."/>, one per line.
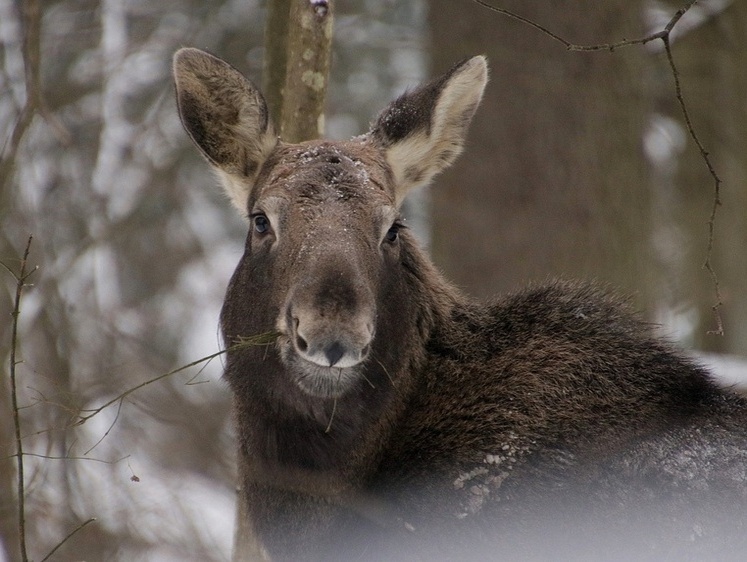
<point x="324" y="382"/>
<point x="317" y="380"/>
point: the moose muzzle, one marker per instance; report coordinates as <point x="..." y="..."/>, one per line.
<point x="330" y="319"/>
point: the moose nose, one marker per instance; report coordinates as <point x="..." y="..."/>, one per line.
<point x="331" y="345"/>
<point x="333" y="352"/>
<point x="330" y="314"/>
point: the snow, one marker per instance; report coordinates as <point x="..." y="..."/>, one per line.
<point x="728" y="370"/>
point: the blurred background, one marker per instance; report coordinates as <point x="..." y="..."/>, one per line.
<point x="577" y="165"/>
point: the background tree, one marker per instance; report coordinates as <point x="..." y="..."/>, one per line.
<point x="555" y="181"/>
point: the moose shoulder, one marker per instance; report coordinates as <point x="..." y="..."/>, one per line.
<point x="394" y="418"/>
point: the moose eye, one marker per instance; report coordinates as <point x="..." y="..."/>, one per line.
<point x="393" y="233"/>
<point x="261" y="224"/>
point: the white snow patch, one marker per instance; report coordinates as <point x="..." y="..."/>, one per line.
<point x="728" y="370"/>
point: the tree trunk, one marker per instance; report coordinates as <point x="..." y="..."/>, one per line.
<point x="276" y="56"/>
<point x="309" y="43"/>
<point x="298" y="108"/>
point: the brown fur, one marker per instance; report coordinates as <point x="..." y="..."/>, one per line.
<point x="397" y="419"/>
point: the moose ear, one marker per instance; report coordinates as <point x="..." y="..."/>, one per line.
<point x="422" y="132"/>
<point x="226" y="117"/>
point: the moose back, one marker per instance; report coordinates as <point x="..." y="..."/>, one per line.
<point x="393" y="417"/>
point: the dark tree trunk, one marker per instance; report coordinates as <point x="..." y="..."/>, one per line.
<point x="554" y="180"/>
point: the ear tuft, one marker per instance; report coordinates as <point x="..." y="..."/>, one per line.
<point x="423" y="131"/>
<point x="226" y="117"/>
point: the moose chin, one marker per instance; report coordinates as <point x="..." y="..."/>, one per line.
<point x="394" y="418"/>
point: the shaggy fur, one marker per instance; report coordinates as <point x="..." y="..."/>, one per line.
<point x="394" y="418"/>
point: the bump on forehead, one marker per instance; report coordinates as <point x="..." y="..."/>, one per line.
<point x="321" y="171"/>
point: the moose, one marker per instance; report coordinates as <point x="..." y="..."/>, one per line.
<point x="393" y="418"/>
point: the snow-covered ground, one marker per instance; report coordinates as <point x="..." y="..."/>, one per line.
<point x="729" y="370"/>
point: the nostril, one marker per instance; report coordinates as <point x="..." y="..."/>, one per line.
<point x="365" y="350"/>
<point x="301" y="344"/>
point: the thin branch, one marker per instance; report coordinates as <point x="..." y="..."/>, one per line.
<point x="134" y="477"/>
<point x="193" y="381"/>
<point x="365" y="378"/>
<point x="21" y="278"/>
<point x="719" y="331"/>
<point x="523" y="20"/>
<point x="21" y="283"/>
<point x="63" y="541"/>
<point x="599" y="47"/>
<point x="70" y="458"/>
<point x="261" y="339"/>
<point x="391" y="380"/>
<point x="108" y="431"/>
<point x="664" y="36"/>
<point x="129" y="391"/>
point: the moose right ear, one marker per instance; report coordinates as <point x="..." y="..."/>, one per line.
<point x="226" y="117"/>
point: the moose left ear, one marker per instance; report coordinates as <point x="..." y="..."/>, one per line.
<point x="423" y="131"/>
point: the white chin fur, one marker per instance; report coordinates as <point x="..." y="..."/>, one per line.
<point x="322" y="382"/>
<point x="321" y="360"/>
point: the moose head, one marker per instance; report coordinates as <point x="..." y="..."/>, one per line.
<point x="323" y="263"/>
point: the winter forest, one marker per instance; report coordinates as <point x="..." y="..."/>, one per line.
<point x="622" y="163"/>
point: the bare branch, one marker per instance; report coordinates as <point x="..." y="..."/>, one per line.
<point x="599" y="47"/>
<point x="75" y="458"/>
<point x="258" y="340"/>
<point x="108" y="431"/>
<point x="63" y="541"/>
<point x="719" y="331"/>
<point x="21" y="278"/>
<point x="331" y="416"/>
